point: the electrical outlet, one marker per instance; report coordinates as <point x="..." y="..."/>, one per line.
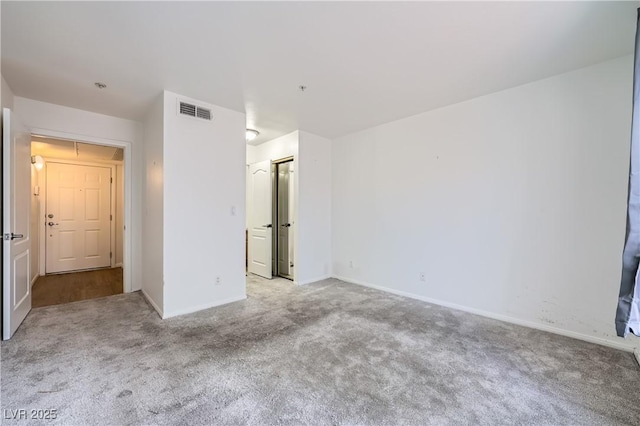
<point x="423" y="277"/>
<point x="218" y="280"/>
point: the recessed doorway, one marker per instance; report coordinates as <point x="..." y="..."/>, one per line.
<point x="283" y="212"/>
<point x="78" y="210"/>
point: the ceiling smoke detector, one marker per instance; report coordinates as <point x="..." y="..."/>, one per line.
<point x="100" y="85"/>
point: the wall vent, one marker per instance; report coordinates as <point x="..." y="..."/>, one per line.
<point x="195" y="111"/>
<point x="203" y="113"/>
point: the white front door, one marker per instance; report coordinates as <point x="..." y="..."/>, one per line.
<point x="16" y="166"/>
<point x="78" y="217"/>
<point x="260" y="225"/>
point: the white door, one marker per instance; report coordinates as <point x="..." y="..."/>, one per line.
<point x="78" y="217"/>
<point x="16" y="165"/>
<point x="260" y="225"/>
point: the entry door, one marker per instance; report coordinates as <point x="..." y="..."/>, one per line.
<point x="260" y="226"/>
<point x="78" y="218"/>
<point x="16" y="166"/>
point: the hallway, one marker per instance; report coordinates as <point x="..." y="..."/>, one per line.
<point x="72" y="287"/>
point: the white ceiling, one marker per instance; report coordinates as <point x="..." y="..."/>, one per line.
<point x="365" y="63"/>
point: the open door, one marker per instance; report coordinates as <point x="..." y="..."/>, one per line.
<point x="260" y="225"/>
<point x="16" y="166"/>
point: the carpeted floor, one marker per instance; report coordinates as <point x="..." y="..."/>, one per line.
<point x="326" y="353"/>
<point x="72" y="287"/>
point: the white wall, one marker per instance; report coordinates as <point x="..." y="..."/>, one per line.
<point x="153" y="205"/>
<point x="512" y="204"/>
<point x="313" y="171"/>
<point x="92" y="127"/>
<point x="204" y="173"/>
<point x="6" y="94"/>
<point x="275" y="149"/>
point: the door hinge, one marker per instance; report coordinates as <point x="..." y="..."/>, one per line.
<point x="110" y="217"/>
<point x="110" y="180"/>
<point x="110" y="255"/>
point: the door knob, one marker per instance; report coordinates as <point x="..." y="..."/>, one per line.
<point x="50" y="216"/>
<point x="268" y="225"/>
<point x="51" y="224"/>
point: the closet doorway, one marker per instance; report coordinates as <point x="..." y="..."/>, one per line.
<point x="283" y="211"/>
<point x="271" y="212"/>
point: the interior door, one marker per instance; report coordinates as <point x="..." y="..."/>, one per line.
<point x="260" y="225"/>
<point x="16" y="166"/>
<point x="78" y="217"/>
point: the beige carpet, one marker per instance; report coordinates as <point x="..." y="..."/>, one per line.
<point x="73" y="287"/>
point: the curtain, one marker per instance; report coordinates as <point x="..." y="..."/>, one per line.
<point x="628" y="313"/>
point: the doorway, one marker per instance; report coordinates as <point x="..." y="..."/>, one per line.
<point x="283" y="211"/>
<point x="271" y="212"/>
<point x="79" y="199"/>
<point x="24" y="216"/>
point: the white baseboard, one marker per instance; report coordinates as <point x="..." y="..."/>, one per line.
<point x="203" y="307"/>
<point x="499" y="317"/>
<point x="636" y="352"/>
<point x="314" y="280"/>
<point x="152" y="303"/>
<point x="34" y="279"/>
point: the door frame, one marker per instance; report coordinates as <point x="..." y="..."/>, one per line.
<point x="127" y="212"/>
<point x="275" y="164"/>
<point x="43" y="207"/>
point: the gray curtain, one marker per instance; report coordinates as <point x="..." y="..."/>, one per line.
<point x="628" y="313"/>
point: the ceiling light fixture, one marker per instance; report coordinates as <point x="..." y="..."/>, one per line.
<point x="252" y="134"/>
<point x="37" y="161"/>
<point x="100" y="85"/>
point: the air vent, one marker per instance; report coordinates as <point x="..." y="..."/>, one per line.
<point x="195" y="111"/>
<point x="187" y="109"/>
<point x="204" y="113"/>
<point x="118" y="154"/>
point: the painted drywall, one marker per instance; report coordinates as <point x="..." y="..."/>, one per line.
<point x="118" y="183"/>
<point x="34" y="228"/>
<point x="42" y="116"/>
<point x="275" y="149"/>
<point x="204" y="208"/>
<point x="153" y="214"/>
<point x="512" y="204"/>
<point x="313" y="259"/>
<point x="6" y="94"/>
